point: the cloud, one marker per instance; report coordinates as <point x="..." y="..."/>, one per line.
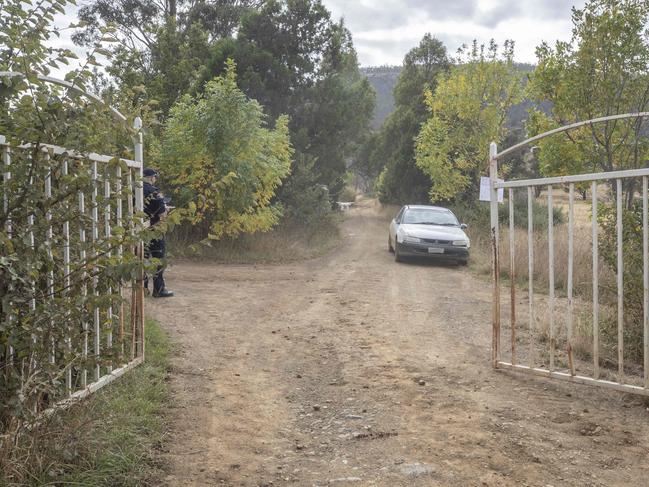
<point x="385" y="31"/>
<point x="499" y="13"/>
<point x="553" y="9"/>
<point x="366" y="15"/>
<point x="444" y="9"/>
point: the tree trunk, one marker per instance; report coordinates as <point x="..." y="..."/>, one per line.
<point x="630" y="193"/>
<point x="171" y="9"/>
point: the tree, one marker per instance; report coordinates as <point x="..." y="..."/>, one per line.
<point x="603" y="70"/>
<point x="393" y="149"/>
<point x="139" y="20"/>
<point x="468" y="111"/>
<point x="290" y="56"/>
<point x="223" y="165"/>
<point x="563" y="154"/>
<point x="219" y="18"/>
<point x="293" y="59"/>
<point x="163" y="44"/>
<point x="338" y="111"/>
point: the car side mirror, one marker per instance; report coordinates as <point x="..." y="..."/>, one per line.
<point x="464" y="226"/>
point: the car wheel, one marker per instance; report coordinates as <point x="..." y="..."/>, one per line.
<point x="397" y="255"/>
<point x="463" y="262"/>
<point x="390" y="248"/>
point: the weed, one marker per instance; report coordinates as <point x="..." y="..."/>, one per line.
<point x="106" y="440"/>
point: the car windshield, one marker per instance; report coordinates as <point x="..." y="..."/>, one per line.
<point x="430" y="216"/>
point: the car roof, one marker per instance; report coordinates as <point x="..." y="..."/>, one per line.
<point x="425" y="207"/>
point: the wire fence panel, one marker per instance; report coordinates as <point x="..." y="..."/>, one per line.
<point x="71" y="273"/>
<point x="590" y="334"/>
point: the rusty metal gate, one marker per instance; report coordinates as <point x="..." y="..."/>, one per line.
<point x="552" y="360"/>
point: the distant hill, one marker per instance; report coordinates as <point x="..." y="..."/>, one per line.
<point x="384" y="78"/>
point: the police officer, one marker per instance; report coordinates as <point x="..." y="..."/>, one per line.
<point x="156" y="209"/>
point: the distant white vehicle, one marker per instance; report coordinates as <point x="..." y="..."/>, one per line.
<point x="344" y="205"/>
<point x="428" y="231"/>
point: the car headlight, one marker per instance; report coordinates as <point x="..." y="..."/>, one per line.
<point x="461" y="243"/>
<point x="412" y="240"/>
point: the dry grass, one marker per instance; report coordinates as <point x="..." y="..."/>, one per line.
<point x="109" y="439"/>
<point x="283" y="244"/>
<point x="582" y="291"/>
<point x="582" y="267"/>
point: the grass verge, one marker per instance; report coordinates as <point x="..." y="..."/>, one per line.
<point x="108" y="439"/>
<point x="283" y="244"/>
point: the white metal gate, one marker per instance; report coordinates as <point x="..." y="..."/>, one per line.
<point x="109" y="340"/>
<point x="567" y="370"/>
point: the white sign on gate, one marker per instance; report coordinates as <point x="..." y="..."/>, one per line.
<point x="485" y="190"/>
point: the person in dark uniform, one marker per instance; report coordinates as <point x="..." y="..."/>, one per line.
<point x="156" y="209"/>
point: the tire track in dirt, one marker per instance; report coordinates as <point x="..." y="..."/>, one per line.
<point x="354" y="370"/>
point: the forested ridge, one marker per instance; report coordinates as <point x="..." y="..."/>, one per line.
<point x="384" y="79"/>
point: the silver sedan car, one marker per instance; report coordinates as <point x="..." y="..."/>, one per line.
<point x="428" y="231"/>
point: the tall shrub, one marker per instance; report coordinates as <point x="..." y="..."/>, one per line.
<point x="223" y="164"/>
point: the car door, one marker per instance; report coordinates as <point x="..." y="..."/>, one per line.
<point x="394" y="226"/>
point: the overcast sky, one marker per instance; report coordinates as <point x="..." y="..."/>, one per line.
<point x="385" y="30"/>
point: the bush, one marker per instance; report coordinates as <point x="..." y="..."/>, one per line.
<point x="539" y="213"/>
<point x="478" y="215"/>
<point x="306" y="202"/>
<point x="222" y="161"/>
<point x="309" y="206"/>
<point x="633" y="274"/>
<point x="402" y="182"/>
<point x="348" y="194"/>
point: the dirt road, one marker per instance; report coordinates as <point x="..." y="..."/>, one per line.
<point x="354" y="370"/>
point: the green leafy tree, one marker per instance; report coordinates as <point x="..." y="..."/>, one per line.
<point x="468" y="111"/>
<point x="393" y="149"/>
<point x="139" y="20"/>
<point x="632" y="224"/>
<point x="563" y="154"/>
<point x="602" y="71"/>
<point x="163" y="44"/>
<point x="293" y="59"/>
<point x="220" y="18"/>
<point x="337" y="113"/>
<point x="223" y="164"/>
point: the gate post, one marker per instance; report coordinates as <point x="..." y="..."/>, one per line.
<point x="139" y="205"/>
<point x="495" y="313"/>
